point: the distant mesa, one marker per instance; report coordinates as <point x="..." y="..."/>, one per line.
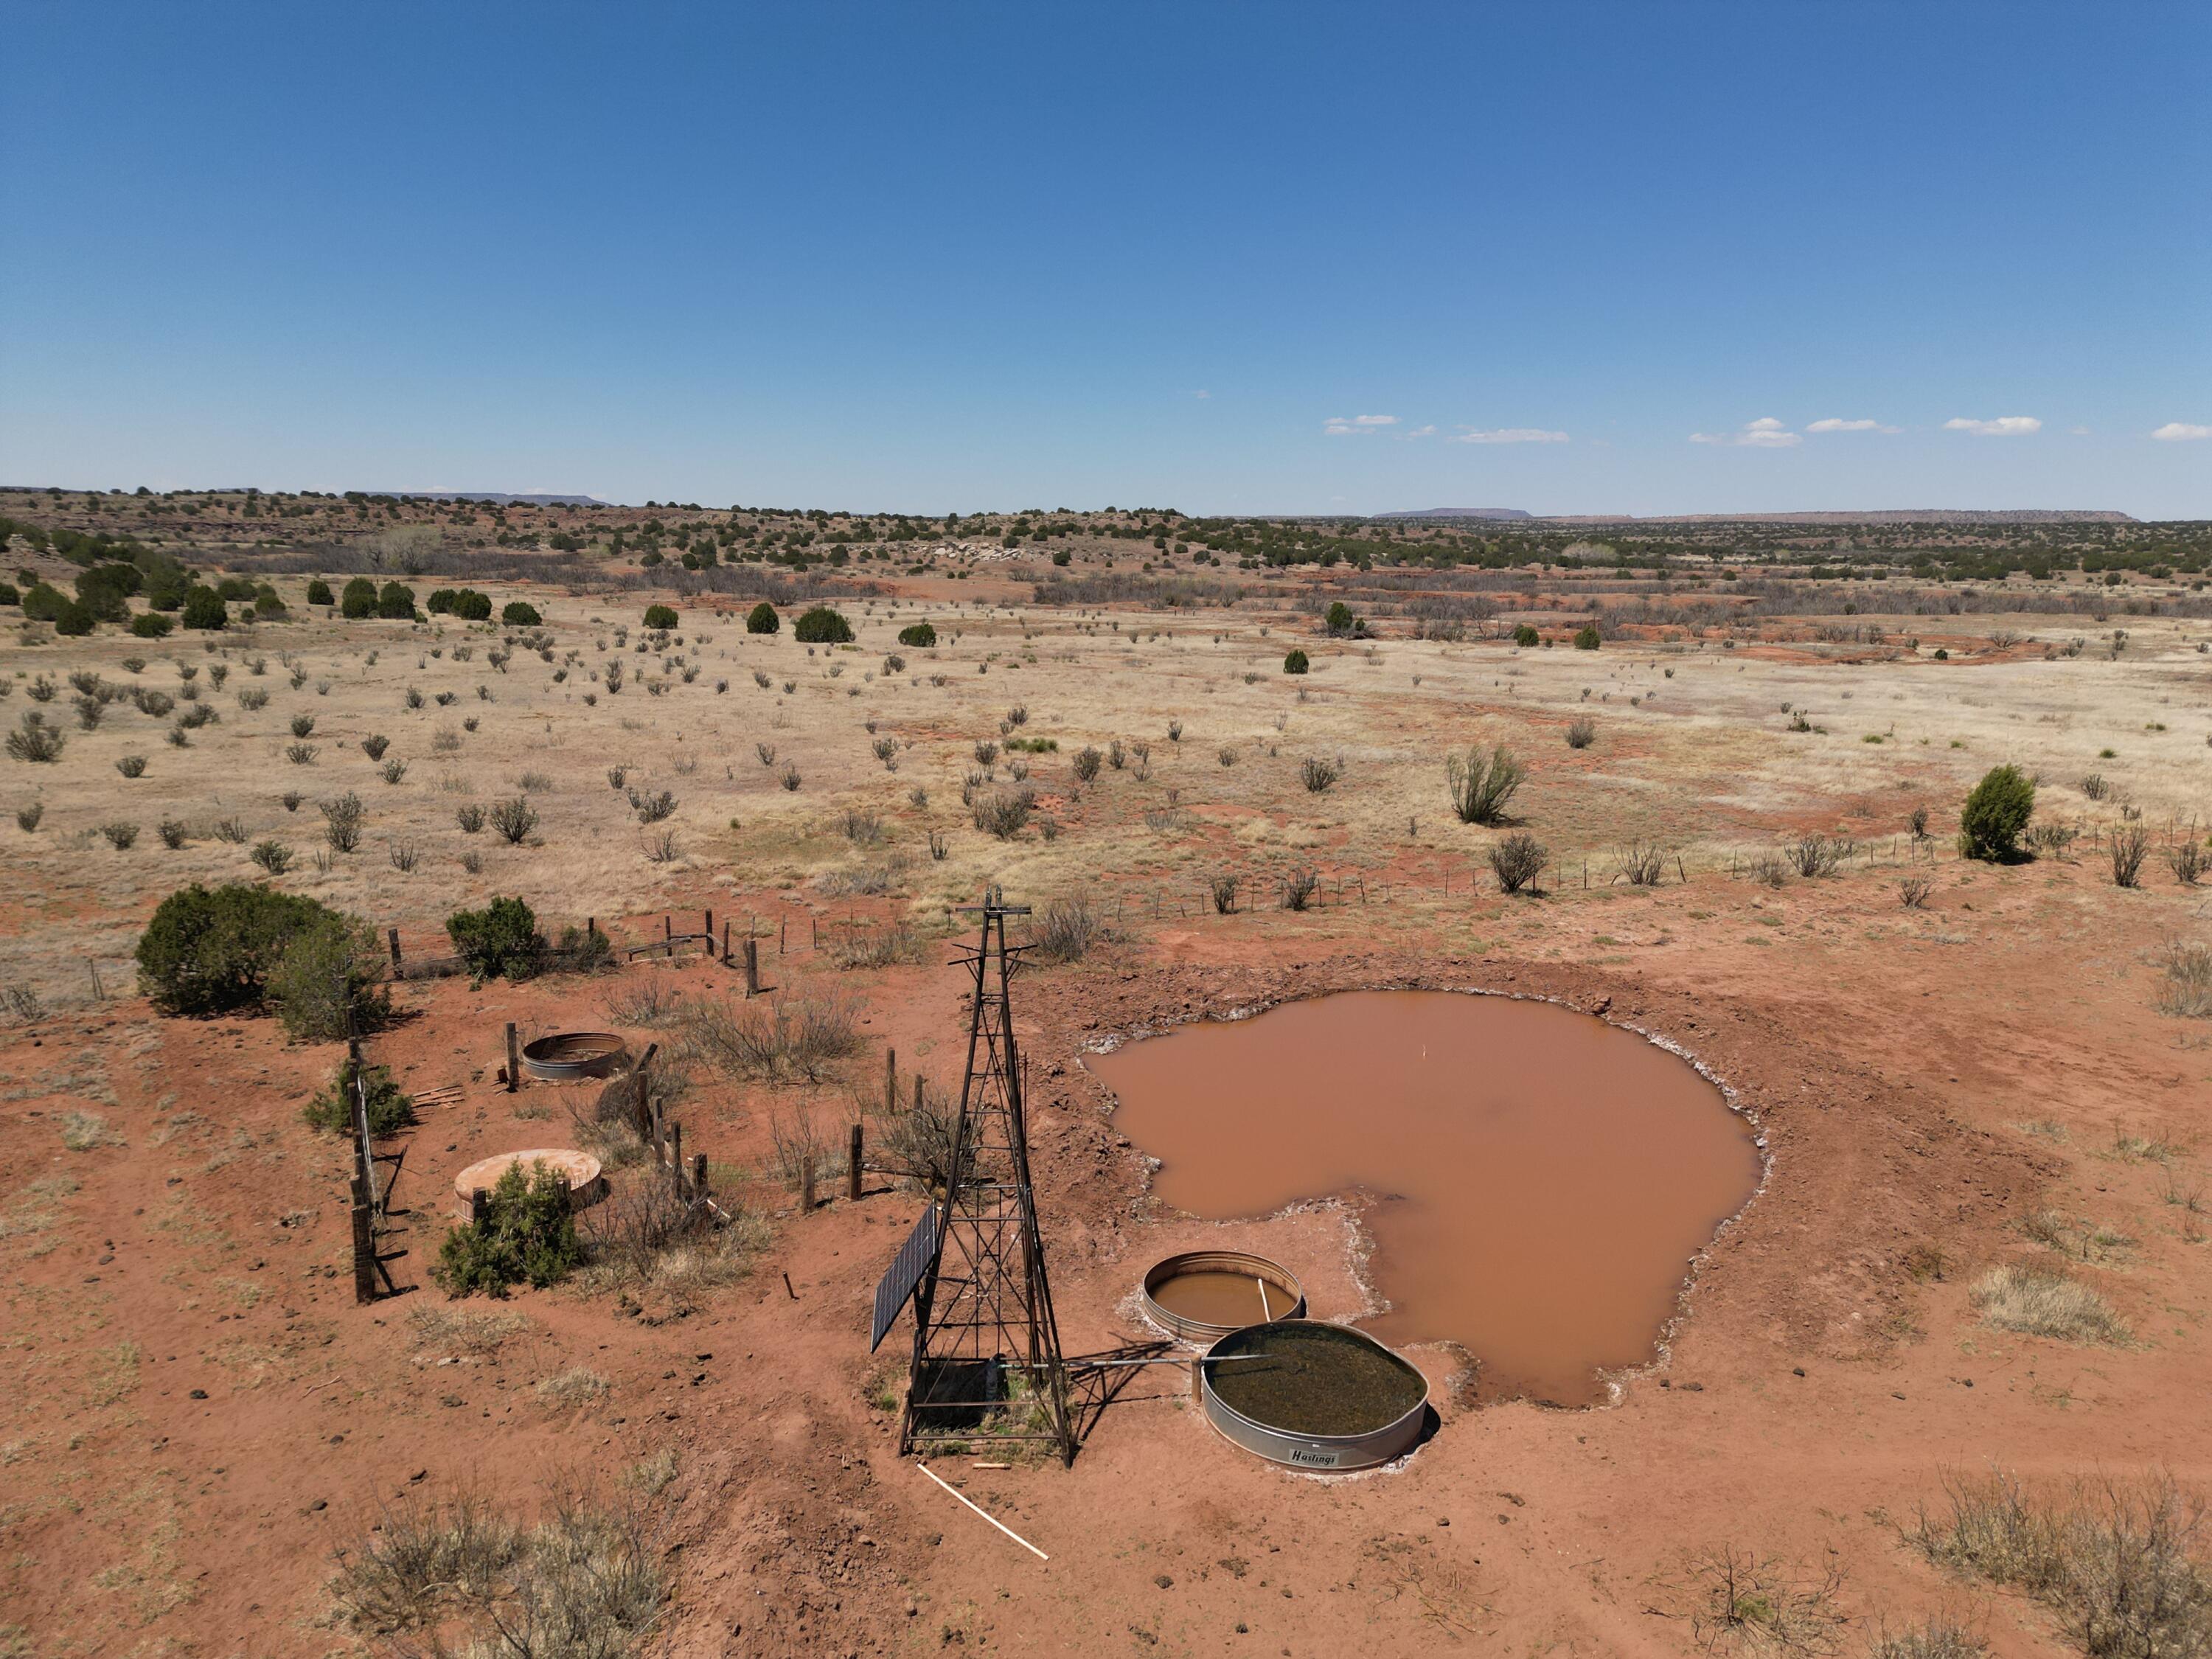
<point x="494" y="495"/>
<point x="1460" y="512"/>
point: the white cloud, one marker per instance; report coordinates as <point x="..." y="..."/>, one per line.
<point x="1764" y="433"/>
<point x="1508" y="435"/>
<point x="1338" y="427"/>
<point x="2005" y="426"/>
<point x="1201" y="393"/>
<point x="1422" y="431"/>
<point x="2175" y="432"/>
<point x="1834" y="425"/>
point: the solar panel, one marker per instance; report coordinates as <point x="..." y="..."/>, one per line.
<point x="906" y="1271"/>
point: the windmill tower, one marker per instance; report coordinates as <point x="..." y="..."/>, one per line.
<point x="986" y="1359"/>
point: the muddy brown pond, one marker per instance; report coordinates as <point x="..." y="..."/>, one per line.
<point x="1534" y="1181"/>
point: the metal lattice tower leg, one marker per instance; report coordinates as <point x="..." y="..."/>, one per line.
<point x="987" y="1360"/>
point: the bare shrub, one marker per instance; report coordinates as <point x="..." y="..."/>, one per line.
<point x="28" y="815"/>
<point x="1818" y="855"/>
<point x="1299" y="888"/>
<point x="393" y="770"/>
<point x="2188" y="860"/>
<point x="375" y="746"/>
<point x="801" y="1149"/>
<point x="661" y="846"/>
<point x="513" y="818"/>
<point x="1067" y="929"/>
<point x="916" y="1140"/>
<point x="987" y="753"/>
<point x="471" y="818"/>
<point x="2185" y="987"/>
<point x="121" y="835"/>
<point x="652" y="805"/>
<point x="862" y="828"/>
<point x="2036" y="1300"/>
<point x="2129" y="846"/>
<point x="1087" y="763"/>
<point x="588" y="1582"/>
<point x="875" y="947"/>
<point x="1640" y="863"/>
<point x="796" y="1036"/>
<point x="789" y="777"/>
<point x="131" y="765"/>
<point x="1223" y="889"/>
<point x="1517" y="860"/>
<point x="1319" y="775"/>
<point x="649" y="1001"/>
<point x="403" y="856"/>
<point x="1939" y="1636"/>
<point x="1743" y="1601"/>
<point x="2051" y="840"/>
<point x="1912" y="892"/>
<point x="1580" y="732"/>
<point x="2120" y="1565"/>
<point x="1482" y="784"/>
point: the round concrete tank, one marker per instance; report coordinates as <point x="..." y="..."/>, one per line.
<point x="586" y="1184"/>
<point x="1313" y="1396"/>
<point x="1201" y="1296"/>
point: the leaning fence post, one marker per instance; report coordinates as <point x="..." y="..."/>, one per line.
<point x="513" y="1059"/>
<point x="392" y="935"/>
<point x="852" y="1164"/>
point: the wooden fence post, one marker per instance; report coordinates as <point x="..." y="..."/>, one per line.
<point x="807" y="1183"/>
<point x="514" y="1059"/>
<point x="364" y="1246"/>
<point x="710" y="935"/>
<point x="853" y="1166"/>
<point x="891" y="1079"/>
<point x="699" y="1177"/>
<point x="752" y="967"/>
<point x="676" y="1154"/>
<point x="392" y="935"/>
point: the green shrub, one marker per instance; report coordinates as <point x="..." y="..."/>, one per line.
<point x="10" y="594"/>
<point x="328" y="985"/>
<point x="208" y="950"/>
<point x="472" y="606"/>
<point x="73" y="619"/>
<point x="822" y="626"/>
<point x="518" y="614"/>
<point x="391" y="1108"/>
<point x="919" y="635"/>
<point x="1525" y="636"/>
<point x="267" y="602"/>
<point x="763" y="619"/>
<point x="1340" y="619"/>
<point x="43" y="602"/>
<point x="440" y="602"/>
<point x="359" y="599"/>
<point x="234" y="590"/>
<point x="660" y="617"/>
<point x="1995" y="815"/>
<point x="1587" y="637"/>
<point x="395" y="602"/>
<point x="501" y="940"/>
<point x="1295" y="663"/>
<point x="204" y="609"/>
<point x="526" y="1234"/>
<point x="319" y="593"/>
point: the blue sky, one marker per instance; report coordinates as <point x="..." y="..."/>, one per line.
<point x="1568" y="258"/>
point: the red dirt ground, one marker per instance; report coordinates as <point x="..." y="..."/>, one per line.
<point x="1828" y="1370"/>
